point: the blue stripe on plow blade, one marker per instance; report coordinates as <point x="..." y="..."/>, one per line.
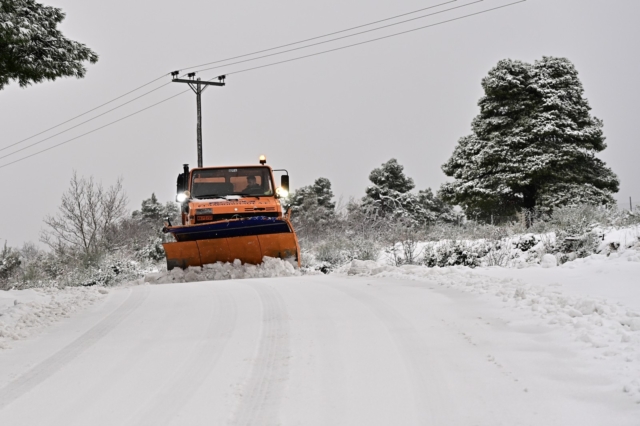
<point x="227" y="229"/>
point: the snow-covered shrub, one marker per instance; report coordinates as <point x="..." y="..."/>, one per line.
<point x="526" y="242"/>
<point x="110" y="271"/>
<point x="339" y="250"/>
<point x="630" y="217"/>
<point x="581" y="218"/>
<point x="404" y="252"/>
<point x="9" y="264"/>
<point x="153" y="250"/>
<point x="577" y="229"/>
<point x="403" y="238"/>
<point x="453" y="253"/>
<point x="498" y="255"/>
<point x="333" y="253"/>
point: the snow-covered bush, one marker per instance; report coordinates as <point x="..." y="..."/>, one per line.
<point x="152" y="250"/>
<point x="403" y="242"/>
<point x="453" y="253"/>
<point x="110" y="271"/>
<point x="337" y="251"/>
<point x="9" y="263"/>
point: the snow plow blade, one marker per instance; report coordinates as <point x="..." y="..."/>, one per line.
<point x="248" y="240"/>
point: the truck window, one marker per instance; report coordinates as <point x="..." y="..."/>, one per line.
<point x="219" y="182"/>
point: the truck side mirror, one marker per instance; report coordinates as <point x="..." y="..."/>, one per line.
<point x="284" y="182"/>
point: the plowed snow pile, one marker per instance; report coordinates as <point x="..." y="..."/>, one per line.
<point x="596" y="300"/>
<point x="25" y="312"/>
<point x="271" y="267"/>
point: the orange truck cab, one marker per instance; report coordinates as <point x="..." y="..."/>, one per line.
<point x="230" y="213"/>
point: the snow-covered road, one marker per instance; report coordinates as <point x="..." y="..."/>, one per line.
<point x="310" y="350"/>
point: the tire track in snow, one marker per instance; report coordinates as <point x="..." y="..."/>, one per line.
<point x="188" y="378"/>
<point x="264" y="388"/>
<point x="422" y="369"/>
<point x="60" y="359"/>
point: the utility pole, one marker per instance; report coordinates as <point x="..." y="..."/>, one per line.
<point x="198" y="86"/>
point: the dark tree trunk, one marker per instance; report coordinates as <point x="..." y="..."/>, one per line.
<point x="529" y="203"/>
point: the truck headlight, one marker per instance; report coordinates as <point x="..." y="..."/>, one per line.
<point x="282" y="193"/>
<point x="183" y="196"/>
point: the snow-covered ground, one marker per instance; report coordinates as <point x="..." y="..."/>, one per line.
<point x="370" y="344"/>
<point x="27" y="312"/>
<point x="595" y="301"/>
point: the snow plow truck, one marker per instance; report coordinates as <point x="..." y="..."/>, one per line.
<point x="231" y="213"/>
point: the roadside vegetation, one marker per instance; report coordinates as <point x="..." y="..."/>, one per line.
<point x="526" y="184"/>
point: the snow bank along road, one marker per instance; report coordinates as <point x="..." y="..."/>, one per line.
<point x="311" y="350"/>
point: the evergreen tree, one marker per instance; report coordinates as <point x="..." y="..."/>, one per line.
<point x="146" y="224"/>
<point x="32" y="49"/>
<point x="390" y="195"/>
<point x="435" y="209"/>
<point x="320" y="193"/>
<point x="154" y="213"/>
<point x="151" y="209"/>
<point x="9" y="262"/>
<point x="313" y="208"/>
<point x="532" y="145"/>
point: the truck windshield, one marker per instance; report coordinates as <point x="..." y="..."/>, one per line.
<point x="211" y="183"/>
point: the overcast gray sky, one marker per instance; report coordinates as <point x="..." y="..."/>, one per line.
<point x="337" y="115"/>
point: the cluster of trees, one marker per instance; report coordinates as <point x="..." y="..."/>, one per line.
<point x="92" y="237"/>
<point x="390" y="195"/>
<point x="389" y="198"/>
<point x="532" y="149"/>
<point x="93" y="221"/>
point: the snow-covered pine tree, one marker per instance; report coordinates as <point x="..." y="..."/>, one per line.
<point x="151" y="210"/>
<point x="320" y="191"/>
<point x="9" y="263"/>
<point x="313" y="209"/>
<point x="434" y="208"/>
<point x="390" y="195"/>
<point x="532" y="145"/>
<point x="154" y="213"/>
<point x="32" y="49"/>
<point x="144" y="234"/>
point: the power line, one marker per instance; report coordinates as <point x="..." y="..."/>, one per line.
<point x="342" y="37"/>
<point x="80" y="124"/>
<point x="375" y="39"/>
<point x="91" y="131"/>
<point x="265" y="66"/>
<point x="246" y="60"/>
<point x="218" y="61"/>
<point x="84" y="113"/>
<point x="317" y="37"/>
